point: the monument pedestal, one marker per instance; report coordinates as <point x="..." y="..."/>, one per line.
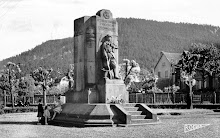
<point x="82" y="115"/>
<point x="112" y="89"/>
<point x="104" y="92"/>
<point x="86" y="114"/>
<point x="103" y="112"/>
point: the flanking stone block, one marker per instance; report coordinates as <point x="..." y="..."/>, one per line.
<point x="86" y="114"/>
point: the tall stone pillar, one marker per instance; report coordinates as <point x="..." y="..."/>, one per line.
<point x="91" y="83"/>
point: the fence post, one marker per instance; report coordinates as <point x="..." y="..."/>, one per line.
<point x="154" y="98"/>
<point x="214" y="97"/>
<point x="53" y="98"/>
<point x="136" y="99"/>
<point x="5" y="101"/>
<point x="174" y="98"/>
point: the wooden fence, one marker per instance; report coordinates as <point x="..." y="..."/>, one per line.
<point x="148" y="98"/>
<point x="177" y="98"/>
<point x="32" y="100"/>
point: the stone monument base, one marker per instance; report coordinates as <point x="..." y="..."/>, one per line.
<point x="83" y="115"/>
<point x="106" y="91"/>
<point x="111" y="90"/>
<point x="86" y="115"/>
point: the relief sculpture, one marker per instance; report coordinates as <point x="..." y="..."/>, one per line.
<point x="109" y="62"/>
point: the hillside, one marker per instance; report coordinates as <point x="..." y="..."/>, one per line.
<point x="139" y="39"/>
<point x="56" y="54"/>
<point x="144" y="40"/>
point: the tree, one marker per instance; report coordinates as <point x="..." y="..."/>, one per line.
<point x="4" y="85"/>
<point x="9" y="79"/>
<point x="25" y="87"/>
<point x="201" y="58"/>
<point x="129" y="71"/>
<point x="43" y="78"/>
<point x="137" y="79"/>
<point x="209" y="61"/>
<point x="188" y="65"/>
<point x="64" y="81"/>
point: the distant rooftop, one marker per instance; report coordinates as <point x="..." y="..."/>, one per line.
<point x="172" y="57"/>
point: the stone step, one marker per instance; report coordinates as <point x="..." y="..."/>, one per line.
<point x="139" y="124"/>
<point x="141" y="121"/>
<point x="138" y="116"/>
<point x="129" y="105"/>
<point x="135" y="112"/>
<point x="78" y="123"/>
<point x="131" y="108"/>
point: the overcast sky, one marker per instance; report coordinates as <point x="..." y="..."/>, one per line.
<point x="25" y="24"/>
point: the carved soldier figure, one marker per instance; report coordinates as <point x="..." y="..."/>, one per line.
<point x="108" y="58"/>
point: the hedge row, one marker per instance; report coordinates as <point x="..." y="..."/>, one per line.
<point x="18" y="109"/>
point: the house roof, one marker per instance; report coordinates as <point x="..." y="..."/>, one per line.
<point x="173" y="58"/>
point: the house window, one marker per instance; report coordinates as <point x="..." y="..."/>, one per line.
<point x="166" y="74"/>
<point x="158" y="74"/>
<point x="163" y="64"/>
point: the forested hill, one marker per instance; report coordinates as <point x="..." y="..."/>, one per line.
<point x="144" y="40"/>
<point x="139" y="39"/>
<point x="56" y="54"/>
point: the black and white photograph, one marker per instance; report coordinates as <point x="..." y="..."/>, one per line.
<point x="109" y="69"/>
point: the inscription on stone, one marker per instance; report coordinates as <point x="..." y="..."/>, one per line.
<point x="103" y="24"/>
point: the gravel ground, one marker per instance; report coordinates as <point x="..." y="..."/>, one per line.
<point x="23" y="125"/>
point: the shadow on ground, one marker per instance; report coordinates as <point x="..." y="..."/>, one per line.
<point x="18" y="122"/>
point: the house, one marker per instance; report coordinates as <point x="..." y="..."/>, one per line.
<point x="166" y="72"/>
<point x="165" y="65"/>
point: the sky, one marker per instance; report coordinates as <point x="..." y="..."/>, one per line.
<point x="24" y="24"/>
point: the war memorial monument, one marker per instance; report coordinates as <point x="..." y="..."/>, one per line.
<point x="96" y="79"/>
